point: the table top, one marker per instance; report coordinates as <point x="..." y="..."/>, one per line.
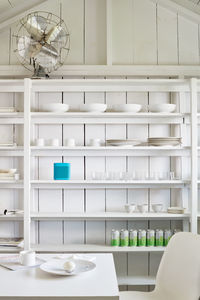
<point x="99" y="283"/>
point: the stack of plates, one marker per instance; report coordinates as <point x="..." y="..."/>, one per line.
<point x="7" y="109"/>
<point x="176" y="210"/>
<point x="164" y="141"/>
<point x="123" y="143"/>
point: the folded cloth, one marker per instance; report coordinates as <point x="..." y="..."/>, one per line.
<point x="76" y="256"/>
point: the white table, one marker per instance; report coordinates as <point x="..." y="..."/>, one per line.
<point x="100" y="283"/>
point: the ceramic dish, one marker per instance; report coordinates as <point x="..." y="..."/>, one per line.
<point x="93" y="107"/>
<point x="121" y="143"/>
<point x="142" y="208"/>
<point x="129" y="208"/>
<point x="176" y="210"/>
<point x="157" y="207"/>
<point x="55" y="107"/>
<point x="162" y="141"/>
<point x="134" y="108"/>
<point x="162" y="108"/>
<point x="56" y="267"/>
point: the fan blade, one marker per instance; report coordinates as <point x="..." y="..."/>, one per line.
<point x="36" y="26"/>
<point x="27" y="47"/>
<point x="57" y="36"/>
<point x="47" y="57"/>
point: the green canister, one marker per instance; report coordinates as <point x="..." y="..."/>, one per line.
<point x="142" y="236"/>
<point x="133" y="237"/>
<point x="167" y="236"/>
<point x="115" y="241"/>
<point x="159" y="237"/>
<point x="150" y="238"/>
<point x="124" y="238"/>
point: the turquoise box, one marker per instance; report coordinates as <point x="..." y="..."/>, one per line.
<point x="62" y="171"/>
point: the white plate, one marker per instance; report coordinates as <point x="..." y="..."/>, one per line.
<point x="55" y="266"/>
<point x="134" y="108"/>
<point x="93" y="107"/>
<point x="123" y="142"/>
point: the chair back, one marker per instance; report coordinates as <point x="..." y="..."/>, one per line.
<point x="179" y="271"/>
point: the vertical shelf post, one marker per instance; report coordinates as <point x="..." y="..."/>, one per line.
<point x="109" y="31"/>
<point x="194" y="153"/>
<point x="27" y="155"/>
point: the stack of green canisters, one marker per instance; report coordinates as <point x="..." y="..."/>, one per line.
<point x="141" y="237"/>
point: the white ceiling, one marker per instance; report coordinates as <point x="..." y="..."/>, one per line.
<point x="193" y="5"/>
<point x="11" y="8"/>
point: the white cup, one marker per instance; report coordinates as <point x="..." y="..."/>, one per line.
<point x="129" y="208"/>
<point x="16" y="176"/>
<point x="142" y="208"/>
<point x="70" y="142"/>
<point x="40" y="142"/>
<point x="54" y="142"/>
<point x="95" y="142"/>
<point x="27" y="258"/>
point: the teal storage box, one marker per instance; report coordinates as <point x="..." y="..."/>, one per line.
<point x="62" y="171"/>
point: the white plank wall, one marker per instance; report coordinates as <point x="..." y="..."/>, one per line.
<point x="143" y="33"/>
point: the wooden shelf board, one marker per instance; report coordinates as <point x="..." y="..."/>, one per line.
<point x="106" y="216"/>
<point x="73" y="248"/>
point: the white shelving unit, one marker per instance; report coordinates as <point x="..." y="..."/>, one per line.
<point x="30" y="87"/>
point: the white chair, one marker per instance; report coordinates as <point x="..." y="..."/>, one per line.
<point x="178" y="276"/>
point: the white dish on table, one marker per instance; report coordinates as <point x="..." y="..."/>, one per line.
<point x="93" y="107"/>
<point x="157" y="207"/>
<point x="56" y="266"/>
<point x="134" y="108"/>
<point x="55" y="107"/>
<point x="120" y="143"/>
<point x="162" y="108"/>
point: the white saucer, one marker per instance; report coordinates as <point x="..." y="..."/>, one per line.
<point x="55" y="266"/>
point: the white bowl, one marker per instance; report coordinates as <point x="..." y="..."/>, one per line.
<point x="55" y="107"/>
<point x="93" y="107"/>
<point x="157" y="207"/>
<point x="142" y="208"/>
<point x="12" y="171"/>
<point x="129" y="208"/>
<point x="127" y="108"/>
<point x="162" y="108"/>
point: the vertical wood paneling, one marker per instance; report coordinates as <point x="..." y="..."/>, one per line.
<point x="73" y="15"/>
<point x="122" y="35"/>
<point x="95" y="29"/>
<point x="5" y="47"/>
<point x="188" y="42"/>
<point x="144" y="36"/>
<point x="167" y="36"/>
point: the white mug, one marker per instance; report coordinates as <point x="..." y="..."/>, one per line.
<point x="95" y="142"/>
<point x="54" y="142"/>
<point x="27" y="258"/>
<point x="70" y="142"/>
<point x="40" y="142"/>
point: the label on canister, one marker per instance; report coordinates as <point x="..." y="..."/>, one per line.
<point x="115" y="240"/>
<point x="167" y="236"/>
<point x="159" y="237"/>
<point x="124" y="238"/>
<point x="141" y="238"/>
<point x="150" y="238"/>
<point x="133" y="238"/>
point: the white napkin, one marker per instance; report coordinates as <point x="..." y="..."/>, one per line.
<point x="76" y="256"/>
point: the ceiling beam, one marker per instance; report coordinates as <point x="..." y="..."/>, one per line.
<point x="18" y="71"/>
<point x="16" y="13"/>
